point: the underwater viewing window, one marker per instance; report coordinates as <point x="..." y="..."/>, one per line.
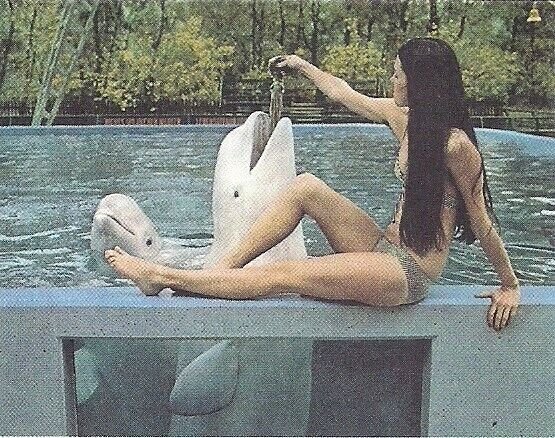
<point x="247" y="386"/>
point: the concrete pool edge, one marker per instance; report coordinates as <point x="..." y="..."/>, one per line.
<point x="479" y="381"/>
<point x="119" y="129"/>
<point x="92" y="297"/>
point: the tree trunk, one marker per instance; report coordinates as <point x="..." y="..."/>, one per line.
<point x="461" y="27"/>
<point x="315" y="16"/>
<point x="396" y="29"/>
<point x="347" y="31"/>
<point x="514" y="32"/>
<point x="97" y="44"/>
<point x="31" y="54"/>
<point x="433" y="22"/>
<point x="117" y="17"/>
<point x="301" y="36"/>
<point x="7" y="45"/>
<point x="375" y="7"/>
<point x="254" y="13"/>
<point x="281" y="39"/>
<point x="403" y="21"/>
<point x="163" y="22"/>
<point x="258" y="14"/>
<point x="261" y="24"/>
<point x="369" y="26"/>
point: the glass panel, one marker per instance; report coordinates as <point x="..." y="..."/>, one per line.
<point x="254" y="386"/>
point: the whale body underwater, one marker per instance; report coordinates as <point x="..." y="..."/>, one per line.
<point x="200" y="391"/>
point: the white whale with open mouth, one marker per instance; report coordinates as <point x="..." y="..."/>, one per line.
<point x="252" y="168"/>
<point x="271" y="393"/>
<point x="252" y="386"/>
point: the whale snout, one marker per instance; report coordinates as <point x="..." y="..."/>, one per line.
<point x="105" y="220"/>
<point x="107" y="232"/>
<point x="119" y="221"/>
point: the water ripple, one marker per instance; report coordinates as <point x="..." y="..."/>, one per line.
<point x="50" y="184"/>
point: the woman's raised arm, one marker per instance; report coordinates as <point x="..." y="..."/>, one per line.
<point x="377" y="109"/>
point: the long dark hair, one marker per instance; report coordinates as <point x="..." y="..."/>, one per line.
<point x="436" y="103"/>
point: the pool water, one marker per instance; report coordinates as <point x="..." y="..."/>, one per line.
<point x="51" y="180"/>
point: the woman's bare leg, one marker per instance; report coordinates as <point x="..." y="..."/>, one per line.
<point x="346" y="226"/>
<point x="367" y="277"/>
<point x="354" y="273"/>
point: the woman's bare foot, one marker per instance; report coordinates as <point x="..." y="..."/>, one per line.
<point x="139" y="271"/>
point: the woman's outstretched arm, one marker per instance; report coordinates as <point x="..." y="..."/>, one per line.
<point x="464" y="163"/>
<point x="377" y="109"/>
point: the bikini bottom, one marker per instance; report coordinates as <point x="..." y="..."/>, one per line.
<point x="417" y="279"/>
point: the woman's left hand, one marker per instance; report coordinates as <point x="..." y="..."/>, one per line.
<point x="504" y="302"/>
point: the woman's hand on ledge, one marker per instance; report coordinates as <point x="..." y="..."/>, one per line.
<point x="504" y="302"/>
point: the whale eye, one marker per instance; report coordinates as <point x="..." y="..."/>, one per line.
<point x="236" y="194"/>
<point x="148" y="242"/>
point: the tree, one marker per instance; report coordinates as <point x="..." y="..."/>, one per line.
<point x="356" y="61"/>
<point x="503" y="57"/>
<point x="34" y="28"/>
<point x="7" y="40"/>
<point x="191" y="65"/>
<point x="488" y="71"/>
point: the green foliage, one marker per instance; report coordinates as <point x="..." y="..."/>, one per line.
<point x="125" y="81"/>
<point x="30" y="49"/>
<point x="141" y="52"/>
<point x="488" y="72"/>
<point x="190" y="65"/>
<point x="357" y="61"/>
<point x="187" y="65"/>
<point x="546" y="82"/>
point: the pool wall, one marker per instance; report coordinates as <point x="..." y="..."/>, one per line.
<point x="476" y="381"/>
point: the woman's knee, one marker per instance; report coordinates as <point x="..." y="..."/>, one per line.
<point x="307" y="186"/>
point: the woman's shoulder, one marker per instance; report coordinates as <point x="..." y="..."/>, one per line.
<point x="398" y="121"/>
<point x="458" y="142"/>
<point x="462" y="156"/>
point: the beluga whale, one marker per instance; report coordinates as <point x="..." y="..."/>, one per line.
<point x="118" y="220"/>
<point x="248" y="386"/>
<point x="254" y="165"/>
<point x="110" y="373"/>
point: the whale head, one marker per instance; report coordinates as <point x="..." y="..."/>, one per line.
<point x="254" y="165"/>
<point x="118" y="220"/>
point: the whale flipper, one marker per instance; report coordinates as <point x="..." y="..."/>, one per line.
<point x="208" y="383"/>
<point x="86" y="376"/>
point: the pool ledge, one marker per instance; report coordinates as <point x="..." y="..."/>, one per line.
<point x="479" y="381"/>
<point x="130" y="297"/>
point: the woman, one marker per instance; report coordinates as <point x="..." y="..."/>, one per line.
<point x="445" y="195"/>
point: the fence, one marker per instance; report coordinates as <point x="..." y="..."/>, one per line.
<point x="303" y="104"/>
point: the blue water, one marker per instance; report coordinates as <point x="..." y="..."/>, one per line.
<point x="51" y="180"/>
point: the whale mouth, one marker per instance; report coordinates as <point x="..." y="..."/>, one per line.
<point x="116" y="220"/>
<point x="261" y="134"/>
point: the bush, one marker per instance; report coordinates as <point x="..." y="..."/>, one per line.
<point x="357" y="61"/>
<point x="488" y="72"/>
